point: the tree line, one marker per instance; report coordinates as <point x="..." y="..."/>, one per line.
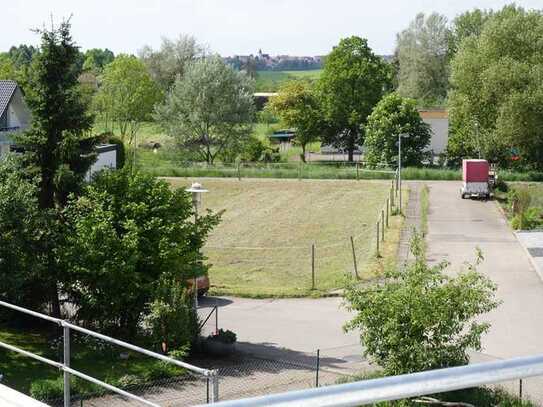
<point x="483" y="66"/>
<point x="116" y="251"/>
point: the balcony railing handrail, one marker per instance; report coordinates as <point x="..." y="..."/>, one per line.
<point x="402" y="386"/>
<point x="62" y="322"/>
<point x="65" y="366"/>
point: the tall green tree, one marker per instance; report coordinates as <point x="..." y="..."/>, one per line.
<point x="353" y="80"/>
<point x="57" y="147"/>
<point x="422" y="51"/>
<point x="497" y="94"/>
<point x="22" y="55"/>
<point x="127" y="96"/>
<point x="125" y="235"/>
<point x="210" y="109"/>
<point x="23" y="230"/>
<point x="7" y="68"/>
<point x="465" y="25"/>
<point x="297" y="106"/>
<point x="392" y="116"/>
<point x="421" y="318"/>
<point x="96" y="59"/>
<point x="170" y="61"/>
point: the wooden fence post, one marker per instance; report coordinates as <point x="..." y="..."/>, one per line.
<point x="388" y="209"/>
<point x="377" y="240"/>
<point x="313" y="266"/>
<point x="354" y="260"/>
<point x="391" y="197"/>
<point x="383" y="225"/>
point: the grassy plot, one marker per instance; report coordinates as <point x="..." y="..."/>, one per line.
<point x="264" y="243"/>
<point x="271" y="81"/>
<point x="88" y="355"/>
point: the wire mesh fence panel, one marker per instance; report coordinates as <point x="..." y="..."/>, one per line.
<point x="261" y="377"/>
<point x="185" y="390"/>
<point x="341" y="364"/>
<point x="153" y="380"/>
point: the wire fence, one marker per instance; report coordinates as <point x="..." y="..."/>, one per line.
<point x="248" y="375"/>
<point x="307" y="265"/>
<point x="300" y="170"/>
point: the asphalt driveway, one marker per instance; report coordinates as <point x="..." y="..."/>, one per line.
<point x="455" y="228"/>
<point x="299" y="324"/>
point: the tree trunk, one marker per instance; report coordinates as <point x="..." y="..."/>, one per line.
<point x="351" y="154"/>
<point x="47" y="201"/>
<point x="303" y="153"/>
<point x="55" y="302"/>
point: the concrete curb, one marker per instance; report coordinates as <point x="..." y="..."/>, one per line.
<point x="536" y="267"/>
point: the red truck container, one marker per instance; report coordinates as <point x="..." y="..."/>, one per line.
<point x="475" y="176"/>
<point x="475" y="170"/>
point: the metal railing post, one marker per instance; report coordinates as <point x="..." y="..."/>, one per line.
<point x="216" y="320"/>
<point x="207" y="390"/>
<point x="317" y="368"/>
<point x="66" y="363"/>
<point x="214" y="386"/>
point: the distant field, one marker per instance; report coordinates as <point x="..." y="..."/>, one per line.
<point x="263" y="245"/>
<point x="269" y="81"/>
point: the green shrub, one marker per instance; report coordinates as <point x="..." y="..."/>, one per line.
<point x="47" y="389"/>
<point x="224" y="336"/>
<point x="530" y="219"/>
<point x="501" y="185"/>
<point x="161" y="370"/>
<point x="524" y="216"/>
<point x="129" y="380"/>
<point x="421" y="318"/>
<point x="172" y="319"/>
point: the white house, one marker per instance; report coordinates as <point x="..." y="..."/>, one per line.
<point x="438" y="120"/>
<point x="14" y="114"/>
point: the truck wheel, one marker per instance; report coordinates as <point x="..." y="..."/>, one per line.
<point x="464" y="196"/>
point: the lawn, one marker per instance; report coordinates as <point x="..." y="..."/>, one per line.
<point x="88" y="355"/>
<point x="270" y="81"/>
<point x="262" y="248"/>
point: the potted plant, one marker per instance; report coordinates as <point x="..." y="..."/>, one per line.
<point x="221" y="343"/>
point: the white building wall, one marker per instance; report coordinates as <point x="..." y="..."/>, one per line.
<point x="106" y="159"/>
<point x="18" y="113"/>
<point x="440" y="134"/>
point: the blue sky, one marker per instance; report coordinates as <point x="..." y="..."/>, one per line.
<point x="296" y="27"/>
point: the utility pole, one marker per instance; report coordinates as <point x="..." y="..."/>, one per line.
<point x="400" y="169"/>
<point x="477" y="138"/>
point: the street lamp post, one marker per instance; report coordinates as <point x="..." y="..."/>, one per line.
<point x="400" y="136"/>
<point x="196" y="189"/>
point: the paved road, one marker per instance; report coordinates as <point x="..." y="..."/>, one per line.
<point x="302" y="325"/>
<point x="455" y="228"/>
